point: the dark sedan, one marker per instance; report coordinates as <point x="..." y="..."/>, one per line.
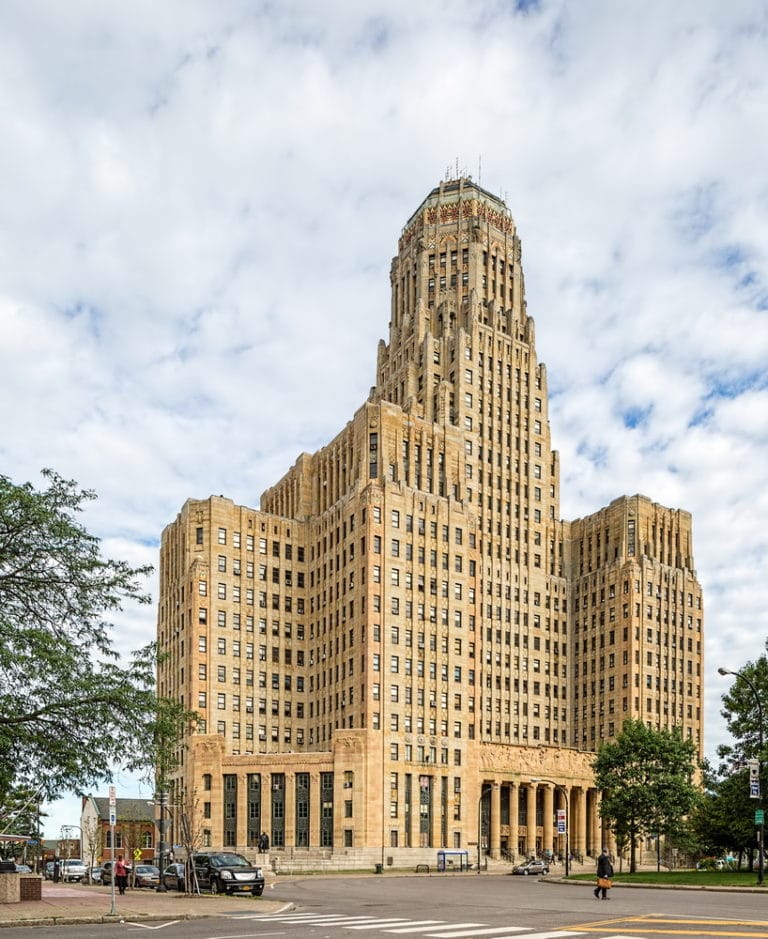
<point x="175" y="877"/>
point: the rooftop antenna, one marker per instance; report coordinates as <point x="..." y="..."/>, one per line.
<point x="480" y="169"/>
<point x="457" y="167"/>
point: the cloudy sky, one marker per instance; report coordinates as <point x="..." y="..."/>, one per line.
<point x="199" y="202"/>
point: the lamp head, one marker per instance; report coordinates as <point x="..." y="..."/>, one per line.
<point x="724" y="671"/>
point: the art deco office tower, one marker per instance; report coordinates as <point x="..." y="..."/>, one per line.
<point x="405" y="648"/>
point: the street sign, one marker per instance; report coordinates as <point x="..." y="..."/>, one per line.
<point x="112" y="795"/>
<point x="759" y="816"/>
<point x="561" y="821"/>
<point x="754" y="790"/>
<point x="137" y="854"/>
<point x="112" y="817"/>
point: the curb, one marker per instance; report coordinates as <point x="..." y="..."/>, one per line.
<point x="620" y="884"/>
<point x="112" y="918"/>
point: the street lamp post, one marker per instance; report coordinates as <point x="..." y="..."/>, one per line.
<point x="761" y="824"/>
<point x="567" y="819"/>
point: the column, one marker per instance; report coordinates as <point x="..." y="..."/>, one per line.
<point x="596" y="833"/>
<point x="315" y="810"/>
<point x="290" y="810"/>
<point x="241" y="836"/>
<point x="495" y="833"/>
<point x="547" y="841"/>
<point x="581" y="808"/>
<point x="565" y="842"/>
<point x="514" y="818"/>
<point x="530" y="837"/>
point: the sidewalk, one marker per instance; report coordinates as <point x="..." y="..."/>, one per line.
<point x="66" y="904"/>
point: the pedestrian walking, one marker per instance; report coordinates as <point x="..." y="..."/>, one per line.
<point x="604" y="874"/>
<point x="121" y="875"/>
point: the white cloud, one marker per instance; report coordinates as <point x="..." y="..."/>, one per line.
<point x="200" y="204"/>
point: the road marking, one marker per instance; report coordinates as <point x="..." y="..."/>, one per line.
<point x="383" y="924"/>
<point x="248" y="935"/>
<point x="555" y="934"/>
<point x="455" y="932"/>
<point x="161" y="926"/>
<point x="419" y="925"/>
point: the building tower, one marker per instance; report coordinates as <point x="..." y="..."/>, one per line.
<point x="380" y="653"/>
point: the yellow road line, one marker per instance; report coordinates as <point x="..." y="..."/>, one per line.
<point x="697" y="921"/>
<point x="692" y="932"/>
<point x="658" y="920"/>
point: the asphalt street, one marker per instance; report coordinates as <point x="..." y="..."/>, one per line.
<point x="459" y="907"/>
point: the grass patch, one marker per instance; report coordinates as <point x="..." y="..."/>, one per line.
<point x="690" y="878"/>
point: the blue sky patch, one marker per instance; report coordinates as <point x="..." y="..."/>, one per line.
<point x="636" y="416"/>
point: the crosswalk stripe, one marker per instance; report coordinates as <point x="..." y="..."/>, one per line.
<point x="489" y="931"/>
<point x="333" y="919"/>
<point x="456" y="930"/>
<point x="429" y="928"/>
<point x="381" y="924"/>
<point x="419" y="925"/>
<point x="555" y="934"/>
<point x="319" y="922"/>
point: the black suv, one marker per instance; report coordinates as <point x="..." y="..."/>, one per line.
<point x="226" y="872"/>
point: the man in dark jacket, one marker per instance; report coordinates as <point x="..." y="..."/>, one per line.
<point x="604" y="874"/>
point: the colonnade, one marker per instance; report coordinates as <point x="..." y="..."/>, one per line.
<point x="521" y="821"/>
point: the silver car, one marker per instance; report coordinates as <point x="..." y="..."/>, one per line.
<point x="531" y="867"/>
<point x="73" y="869"/>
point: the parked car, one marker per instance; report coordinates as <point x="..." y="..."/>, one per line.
<point x="175" y="877"/>
<point x="106" y="872"/>
<point x="48" y="870"/>
<point x="73" y="869"/>
<point x="531" y="867"/>
<point x="146" y="875"/>
<point x="93" y="876"/>
<point x="227" y="872"/>
<point x="23" y="869"/>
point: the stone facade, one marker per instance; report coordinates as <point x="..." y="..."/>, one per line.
<point x="405" y="648"/>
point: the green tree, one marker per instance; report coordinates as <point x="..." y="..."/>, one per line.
<point x="742" y="715"/>
<point x="723" y="820"/>
<point x="646" y="777"/>
<point x="20" y="815"/>
<point x="70" y="708"/>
